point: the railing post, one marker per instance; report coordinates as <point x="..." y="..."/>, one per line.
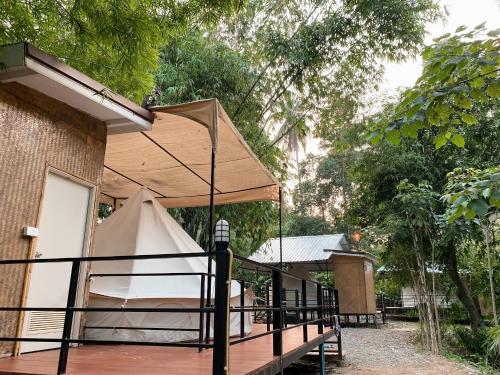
<point x="297" y="305"/>
<point x="220" y="358"/>
<point x="304" y="310"/>
<point x="284" y="302"/>
<point x="319" y="302"/>
<point x="330" y="306"/>
<point x="242" y="305"/>
<point x="384" y="313"/>
<point x="68" y="319"/>
<point x="258" y="292"/>
<point x="322" y="359"/>
<point x="202" y="317"/>
<point x="277" y="322"/>
<point x="268" y="312"/>
<point x="337" y="313"/>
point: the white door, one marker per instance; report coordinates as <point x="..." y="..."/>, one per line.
<point x="63" y="226"/>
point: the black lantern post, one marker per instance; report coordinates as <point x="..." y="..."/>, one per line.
<point x="223" y="257"/>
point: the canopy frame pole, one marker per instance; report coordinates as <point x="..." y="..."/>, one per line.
<point x="211" y="214"/>
<point x="280" y="220"/>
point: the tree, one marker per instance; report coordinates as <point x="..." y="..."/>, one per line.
<point x="193" y="67"/>
<point x="376" y="171"/>
<point x="323" y="55"/>
<point x="458" y="88"/>
<point x="297" y="224"/>
<point x="476" y="194"/>
<point x="115" y="42"/>
<point x="419" y="203"/>
<point x="461" y="73"/>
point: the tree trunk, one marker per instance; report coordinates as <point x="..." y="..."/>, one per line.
<point x="463" y="293"/>
<point x="422" y="321"/>
<point x="426" y="300"/>
<point x="487" y="241"/>
<point x="434" y="302"/>
<point x="422" y="316"/>
<point x="434" y="347"/>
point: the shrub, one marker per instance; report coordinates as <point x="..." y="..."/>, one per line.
<point x="481" y="346"/>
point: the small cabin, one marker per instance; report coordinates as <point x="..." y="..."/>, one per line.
<point x="54" y="122"/>
<point x="353" y="277"/>
<point x="351" y="271"/>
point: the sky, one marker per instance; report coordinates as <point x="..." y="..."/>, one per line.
<point x="461" y="12"/>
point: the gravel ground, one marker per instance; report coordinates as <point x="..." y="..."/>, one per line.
<point x="385" y="351"/>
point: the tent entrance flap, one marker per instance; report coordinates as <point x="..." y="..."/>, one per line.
<point x="173" y="160"/>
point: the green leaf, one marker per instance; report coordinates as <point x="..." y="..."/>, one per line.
<point x="461" y="28"/>
<point x="444" y="75"/>
<point x="412" y="111"/>
<point x="409" y="130"/>
<point x="477" y="83"/>
<point x="465" y="102"/>
<point x="375" y="137"/>
<point x="494" y="90"/>
<point x="394" y="136"/>
<point x="487" y="68"/>
<point x="459" y="200"/>
<point x="458" y="140"/>
<point x="478" y="95"/>
<point x="440" y="140"/>
<point x="469" y="119"/>
<point x="456" y="214"/>
<point x="479" y="206"/>
<point x="495" y="198"/>
<point x="470" y="214"/>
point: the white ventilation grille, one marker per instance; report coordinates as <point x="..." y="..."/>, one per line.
<point x="43" y="321"/>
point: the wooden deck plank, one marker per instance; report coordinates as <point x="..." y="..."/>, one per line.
<point x="249" y="357"/>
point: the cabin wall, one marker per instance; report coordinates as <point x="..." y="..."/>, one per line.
<point x="410" y="299"/>
<point x="371" y="306"/>
<point x="355" y="284"/>
<point x="36" y="132"/>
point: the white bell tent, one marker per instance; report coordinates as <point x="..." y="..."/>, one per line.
<point x="143" y="226"/>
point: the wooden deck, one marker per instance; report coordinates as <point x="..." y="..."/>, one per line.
<point x="249" y="357"/>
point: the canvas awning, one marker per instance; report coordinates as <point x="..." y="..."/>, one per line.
<point x="173" y="160"/>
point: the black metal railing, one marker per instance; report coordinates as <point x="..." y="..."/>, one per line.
<point x="71" y="307"/>
<point x="198" y="329"/>
<point x="318" y="307"/>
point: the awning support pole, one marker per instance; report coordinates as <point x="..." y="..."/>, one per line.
<point x="210" y="242"/>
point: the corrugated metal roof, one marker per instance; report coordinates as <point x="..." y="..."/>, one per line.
<point x="300" y="249"/>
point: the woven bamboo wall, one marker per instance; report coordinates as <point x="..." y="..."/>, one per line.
<point x="36" y="131"/>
